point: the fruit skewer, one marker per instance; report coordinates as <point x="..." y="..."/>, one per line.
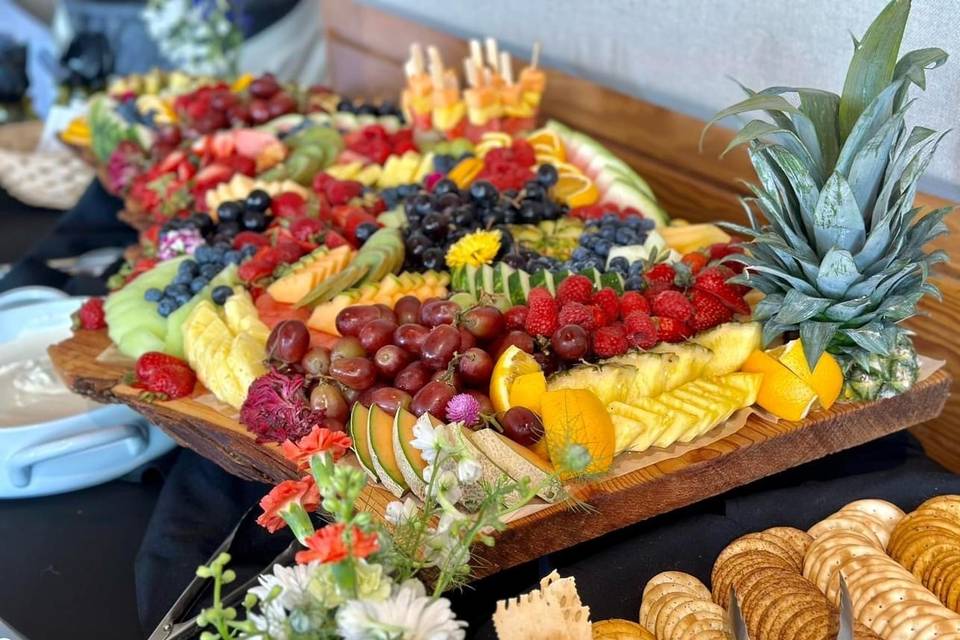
<point x="448" y="108"/>
<point x="416" y="98"/>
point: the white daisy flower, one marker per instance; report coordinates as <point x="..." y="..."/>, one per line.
<point x="409" y="614"/>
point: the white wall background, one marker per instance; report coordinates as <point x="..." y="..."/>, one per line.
<point x="679" y="53"/>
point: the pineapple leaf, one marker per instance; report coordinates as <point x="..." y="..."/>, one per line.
<point x="912" y="66"/>
<point x="801" y="181"/>
<point x="870" y="337"/>
<point x="773" y="330"/>
<point x="790" y="280"/>
<point x="873" y="63"/>
<point x="877" y="243"/>
<point x="848" y="309"/>
<point x="756" y="102"/>
<point x="838" y="272"/>
<point x="767" y="307"/>
<point x="797" y="307"/>
<point x="899" y="307"/>
<point x="837" y="221"/>
<point x="761" y="130"/>
<point x="821" y="107"/>
<point x="870" y="163"/>
<point x="932" y="290"/>
<point x="815" y="337"/>
<point x="865" y="287"/>
<point x="870" y="121"/>
<point x="927" y="228"/>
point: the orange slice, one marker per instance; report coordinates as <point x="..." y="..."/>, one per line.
<point x="548" y="143"/>
<point x="579" y="432"/>
<point x="527" y="389"/>
<point x="782" y="392"/>
<point x="826" y="379"/>
<point x="512" y="365"/>
<point x="576" y="190"/>
<point x="465" y="171"/>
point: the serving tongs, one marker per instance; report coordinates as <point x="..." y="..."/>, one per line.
<point x="180" y="622"/>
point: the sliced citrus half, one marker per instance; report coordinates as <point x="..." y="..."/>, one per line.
<point x="826" y="379"/>
<point x="513" y="364"/>
<point x="782" y="392"/>
<point x="576" y="190"/>
<point x="548" y="142"/>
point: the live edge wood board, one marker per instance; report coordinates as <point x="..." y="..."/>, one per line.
<point x="757" y="450"/>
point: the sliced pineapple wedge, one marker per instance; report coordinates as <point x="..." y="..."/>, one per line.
<point x="649" y="375"/>
<point x="635" y="428"/>
<point x="731" y="344"/>
<point x="746" y="383"/>
<point x="689" y="364"/>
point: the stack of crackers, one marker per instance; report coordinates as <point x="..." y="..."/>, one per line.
<point x="777" y="602"/>
<point x="886" y="598"/>
<point x="677" y="606"/>
<point x="927" y="543"/>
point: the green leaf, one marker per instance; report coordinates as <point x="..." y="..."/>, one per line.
<point x="873" y="63"/>
<point x="804" y="187"/>
<point x="912" y="67"/>
<point x="907" y="148"/>
<point x="815" y="337"/>
<point x="821" y="107"/>
<point x="767" y="307"/>
<point x="870" y="163"/>
<point x="756" y="102"/>
<point x="848" y="309"/>
<point x="867" y="125"/>
<point x="877" y="243"/>
<point x="753" y="130"/>
<point x="837" y="221"/>
<point x="773" y="330"/>
<point x="870" y="337"/>
<point x="791" y="280"/>
<point x="797" y="307"/>
<point x="837" y="272"/>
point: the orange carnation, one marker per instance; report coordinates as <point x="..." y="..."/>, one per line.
<point x="327" y="545"/>
<point x="303" y="492"/>
<point x="319" y="440"/>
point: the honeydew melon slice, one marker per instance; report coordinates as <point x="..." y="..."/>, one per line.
<point x="138" y="342"/>
<point x="174" y="338"/>
<point x="491" y="474"/>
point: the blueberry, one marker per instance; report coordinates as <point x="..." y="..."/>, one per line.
<point x="434" y="225"/>
<point x="647" y="224"/>
<point x="463" y="216"/>
<point x="445" y="186"/>
<point x="232" y="257"/>
<point x="636" y="268"/>
<point x="626" y="236"/>
<point x="580" y="253"/>
<point x="602" y="247"/>
<point x="367" y="110"/>
<point x="619" y="264"/>
<point x="221" y="293"/>
<point x="253" y="220"/>
<point x="407" y="190"/>
<point x="210" y="270"/>
<point x="433" y="258"/>
<point x="197" y="284"/>
<point x="257" y="200"/>
<point x="182" y="297"/>
<point x="596" y="261"/>
<point x="547" y="175"/>
<point x="634" y="222"/>
<point x="228" y="229"/>
<point x="443" y="163"/>
<point x="189" y="267"/>
<point x="152" y="294"/>
<point x="551" y="211"/>
<point x="390" y="197"/>
<point x="166" y="306"/>
<point x="533" y="190"/>
<point x="202" y="221"/>
<point x="204" y="254"/>
<point x="446" y="200"/>
<point x="634" y="283"/>
<point x="610" y="218"/>
<point x="364" y="231"/>
<point x="482" y="191"/>
<point x="346" y="105"/>
<point x="608" y="233"/>
<point x="181" y="278"/>
<point x="531" y="212"/>
<point x="229" y="210"/>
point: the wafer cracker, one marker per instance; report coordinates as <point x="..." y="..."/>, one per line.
<point x="652" y="600"/>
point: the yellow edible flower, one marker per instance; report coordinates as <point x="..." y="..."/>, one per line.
<point x="477" y="249"/>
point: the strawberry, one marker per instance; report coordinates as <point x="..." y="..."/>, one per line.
<point x="633" y="301"/>
<point x="672" y="304"/>
<point x="695" y="260"/>
<point x="720" y="250"/>
<point x="660" y="277"/>
<point x="579" y="314"/>
<point x="212" y="175"/>
<point x="164" y="375"/>
<point x="541" y="317"/>
<point x="306" y="228"/>
<point x="576" y="288"/>
<point x="332" y="240"/>
<point x="342" y="191"/>
<point x="607" y="300"/>
<point x="714" y="280"/>
<point x="610" y="341"/>
<point x="90" y="315"/>
<point x="516" y="317"/>
<point x="245" y="238"/>
<point x="640" y="329"/>
<point x="708" y="311"/>
<point x="671" y="330"/>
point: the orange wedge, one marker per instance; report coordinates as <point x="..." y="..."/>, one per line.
<point x="576" y="190"/>
<point x="548" y="144"/>
<point x="782" y="392"/>
<point x="516" y="366"/>
<point x="465" y="171"/>
<point x="579" y="432"/>
<point x="826" y="379"/>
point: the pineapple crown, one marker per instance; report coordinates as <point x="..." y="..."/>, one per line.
<point x="839" y="251"/>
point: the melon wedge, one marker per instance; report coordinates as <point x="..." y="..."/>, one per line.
<point x="295" y="285"/>
<point x="409" y="458"/>
<point x="518" y="462"/>
<point x="382" y="455"/>
<point x="474" y="494"/>
<point x="361" y="442"/>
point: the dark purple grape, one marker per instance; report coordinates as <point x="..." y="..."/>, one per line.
<point x="288" y="342"/>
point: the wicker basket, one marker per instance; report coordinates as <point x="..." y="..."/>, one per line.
<point x="49" y="179"/>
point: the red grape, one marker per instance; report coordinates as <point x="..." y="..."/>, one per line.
<point x="432" y="398"/>
<point x="451" y="377"/>
<point x="327" y="397"/>
<point x="289" y="341"/>
<point x="467" y="340"/>
<point x="407" y="309"/>
<point x="410" y="337"/>
<point x="351" y="319"/>
<point x="548" y="362"/>
<point x="352" y="396"/>
<point x="264" y="87"/>
<point x="390" y="399"/>
<point x="570" y="342"/>
<point x="386" y="313"/>
<point x="412" y="377"/>
<point x="440" y="345"/>
<point x="280" y="104"/>
<point x="366" y="396"/>
<point x="486" y="406"/>
<point x="484" y="322"/>
<point x="438" y="312"/>
<point x="475" y="366"/>
<point x="356" y="373"/>
<point x="259" y="111"/>
<point x="377" y="333"/>
<point x="317" y="361"/>
<point x="333" y="424"/>
<point x="522" y="426"/>
<point x="390" y="360"/>
<point x="348" y="347"/>
<point x="521" y="339"/>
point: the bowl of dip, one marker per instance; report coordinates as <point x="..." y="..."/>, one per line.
<point x="52" y="440"/>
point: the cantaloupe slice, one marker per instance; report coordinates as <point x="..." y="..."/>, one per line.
<point x="361" y="442"/>
<point x="380" y="435"/>
<point x="294" y="286"/>
<point x="409" y="458"/>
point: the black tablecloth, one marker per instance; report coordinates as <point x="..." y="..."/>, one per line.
<point x="71" y="565"/>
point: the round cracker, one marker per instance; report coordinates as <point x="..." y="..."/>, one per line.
<point x="758" y="597"/>
<point x="919" y="526"/>
<point x="678" y="614"/>
<point x="953" y="594"/>
<point x="795" y="627"/>
<point x="923" y="608"/>
<point x="797" y="539"/>
<point x="875" y="592"/>
<point x="859" y="569"/>
<point x="928" y="556"/>
<point x="653" y="599"/>
<point x="750" y="542"/>
<point x="675" y="577"/>
<point x="821" y="628"/>
<point x="670" y="603"/>
<point x="845" y="522"/>
<point x="946" y="582"/>
<point x="871" y="610"/>
<point x="695" y="624"/>
<point x="897" y="612"/>
<point x="825" y="543"/>
<point x="934" y="574"/>
<point x="913" y="546"/>
<point x="779" y="618"/>
<point x="723" y="574"/>
<point x="938" y="629"/>
<point x="947" y="502"/>
<point x="880" y="529"/>
<point x="829" y="567"/>
<point x="880" y="509"/>
<point x="787" y="552"/>
<point x="793" y="599"/>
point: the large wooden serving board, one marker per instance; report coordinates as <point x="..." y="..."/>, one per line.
<point x="759" y="449"/>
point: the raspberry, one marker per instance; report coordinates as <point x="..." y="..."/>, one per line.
<point x="633" y="301"/>
<point x="640" y="329"/>
<point x="288" y="204"/>
<point x="576" y="288"/>
<point x="607" y="300"/>
<point x="90" y="316"/>
<point x="672" y="304"/>
<point x="333" y="240"/>
<point x="671" y="330"/>
<point x="541" y="317"/>
<point x="610" y="341"/>
<point x="579" y="314"/>
<point x="516" y="317"/>
<point x="600" y="318"/>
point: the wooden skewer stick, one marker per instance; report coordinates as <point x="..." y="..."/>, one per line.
<point x="470" y="72"/>
<point x="492" y="58"/>
<point x="436" y="68"/>
<point x="535" y="56"/>
<point x="475" y="53"/>
<point x="506" y="67"/>
<point x="416" y="57"/>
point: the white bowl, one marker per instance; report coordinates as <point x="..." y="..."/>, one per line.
<point x="53" y="441"/>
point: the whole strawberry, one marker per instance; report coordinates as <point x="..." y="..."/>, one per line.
<point x="660" y="277"/>
<point x="713" y="280"/>
<point x="607" y="300"/>
<point x="515" y="318"/>
<point x="164" y="375"/>
<point x="576" y="288"/>
<point x="610" y="341"/>
<point x="640" y="329"/>
<point x="695" y="260"/>
<point x="541" y="313"/>
<point x="633" y="301"/>
<point x="672" y="304"/>
<point x="90" y="315"/>
<point x="708" y="311"/>
<point x="671" y="330"/>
